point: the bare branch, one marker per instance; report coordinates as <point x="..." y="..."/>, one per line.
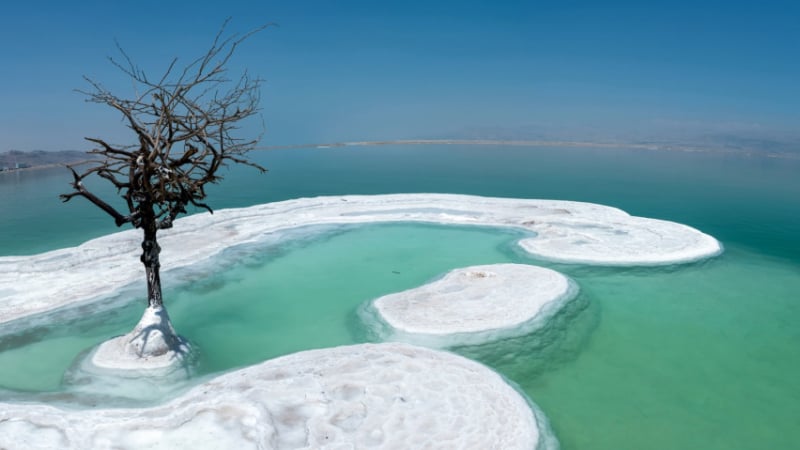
<point x="80" y="190"/>
<point x="186" y="126"/>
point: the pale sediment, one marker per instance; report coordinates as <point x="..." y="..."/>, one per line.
<point x="362" y="396"/>
<point x="471" y="305"/>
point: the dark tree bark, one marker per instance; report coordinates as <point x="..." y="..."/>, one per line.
<point x="152" y="266"/>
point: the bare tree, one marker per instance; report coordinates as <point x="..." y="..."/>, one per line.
<point x="185" y="125"/>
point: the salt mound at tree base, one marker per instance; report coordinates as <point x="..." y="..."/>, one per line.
<point x="472" y="305"/>
<point x="152" y="345"/>
<point x="145" y="365"/>
<point x="362" y="396"/>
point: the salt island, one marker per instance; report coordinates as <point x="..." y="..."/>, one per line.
<point x="471" y="305"/>
<point x="369" y="395"/>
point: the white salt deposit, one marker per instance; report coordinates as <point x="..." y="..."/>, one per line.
<point x="363" y="396"/>
<point x="472" y="305"/>
<point x="564" y="231"/>
<point x="387" y="395"/>
<point x="152" y="345"/>
<point x="625" y="241"/>
<point x="149" y="363"/>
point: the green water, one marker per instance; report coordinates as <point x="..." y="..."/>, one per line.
<point x="308" y="297"/>
<point x="684" y="355"/>
<point x="705" y="356"/>
<point x="296" y="296"/>
<point x="700" y="356"/>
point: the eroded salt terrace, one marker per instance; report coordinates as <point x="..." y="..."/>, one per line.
<point x="364" y="395"/>
<point x="387" y="395"/>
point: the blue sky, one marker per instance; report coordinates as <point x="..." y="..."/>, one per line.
<point x="353" y="70"/>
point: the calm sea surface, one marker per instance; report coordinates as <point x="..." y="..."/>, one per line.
<point x="704" y="355"/>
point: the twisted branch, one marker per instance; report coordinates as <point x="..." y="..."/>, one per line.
<point x="184" y="131"/>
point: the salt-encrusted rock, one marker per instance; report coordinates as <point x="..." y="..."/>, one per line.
<point x="362" y="396"/>
<point x="471" y="305"/>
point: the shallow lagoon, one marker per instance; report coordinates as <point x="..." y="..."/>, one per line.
<point x="698" y="356"/>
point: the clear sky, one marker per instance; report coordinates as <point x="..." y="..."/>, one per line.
<point x="353" y="70"/>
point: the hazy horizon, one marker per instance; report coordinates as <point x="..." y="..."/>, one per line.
<point x="356" y="70"/>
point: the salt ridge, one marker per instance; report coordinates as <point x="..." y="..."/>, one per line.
<point x="365" y="396"/>
<point x="572" y="232"/>
<point x="382" y="395"/>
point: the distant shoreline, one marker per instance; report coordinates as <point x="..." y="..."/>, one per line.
<point x="15" y="161"/>
<point x="43" y="166"/>
<point x="545" y="143"/>
<point x="70" y="160"/>
<point x="509" y="142"/>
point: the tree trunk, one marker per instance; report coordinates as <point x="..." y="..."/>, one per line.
<point x="152" y="266"/>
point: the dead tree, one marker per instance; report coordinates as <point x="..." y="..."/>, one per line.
<point x="185" y="125"/>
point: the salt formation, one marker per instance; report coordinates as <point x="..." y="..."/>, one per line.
<point x="620" y="241"/>
<point x="152" y="345"/>
<point x="385" y="395"/>
<point x="471" y="305"/>
<point x="362" y="396"/>
<point x="148" y="363"/>
<point x="571" y="232"/>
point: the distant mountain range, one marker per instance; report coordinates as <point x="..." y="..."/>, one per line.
<point x="13" y="160"/>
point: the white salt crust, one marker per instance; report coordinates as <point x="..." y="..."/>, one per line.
<point x="565" y="231"/>
<point x="385" y="395"/>
<point x="472" y="305"/>
<point x="152" y="345"/>
<point x="364" y="396"/>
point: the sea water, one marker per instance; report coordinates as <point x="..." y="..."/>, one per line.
<point x="270" y="300"/>
<point x="703" y="355"/>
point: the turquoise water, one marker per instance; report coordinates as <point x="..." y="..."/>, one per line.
<point x="704" y="355"/>
<point x="272" y="300"/>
